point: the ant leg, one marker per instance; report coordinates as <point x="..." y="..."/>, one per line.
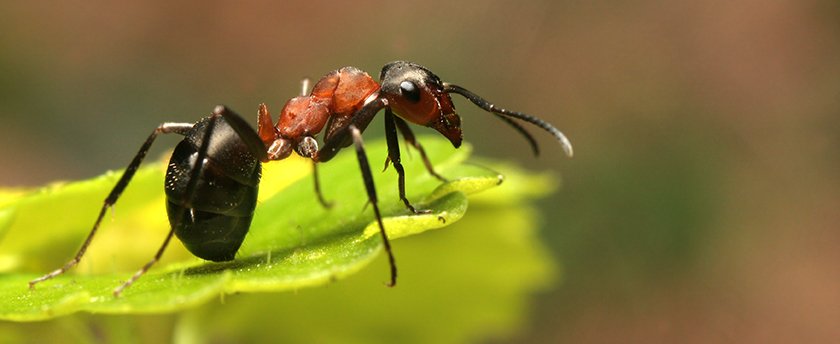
<point x="524" y="132"/>
<point x="304" y="87"/>
<point x="367" y="176"/>
<point x="338" y="136"/>
<point x="165" y="128"/>
<point x="146" y="267"/>
<point x="265" y="127"/>
<point x="408" y="135"/>
<point x="308" y="147"/>
<point x="190" y="190"/>
<point x="394" y="158"/>
<point x="321" y="199"/>
<point x="244" y="130"/>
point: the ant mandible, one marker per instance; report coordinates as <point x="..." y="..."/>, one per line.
<point x="213" y="175"/>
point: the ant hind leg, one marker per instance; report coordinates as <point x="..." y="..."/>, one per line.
<point x="195" y="174"/>
<point x="114" y="195"/>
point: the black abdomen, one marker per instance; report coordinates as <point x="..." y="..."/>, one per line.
<point x="213" y="222"/>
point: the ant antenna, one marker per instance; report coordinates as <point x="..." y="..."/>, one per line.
<point x="506" y="116"/>
<point x="521" y="130"/>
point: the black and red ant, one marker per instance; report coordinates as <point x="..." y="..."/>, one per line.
<point x="214" y="173"/>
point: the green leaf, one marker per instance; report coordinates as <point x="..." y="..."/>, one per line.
<point x="293" y="243"/>
<point x="472" y="282"/>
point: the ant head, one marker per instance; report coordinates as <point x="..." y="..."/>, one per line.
<point x="417" y="95"/>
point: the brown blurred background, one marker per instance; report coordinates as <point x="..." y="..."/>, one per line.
<point x="701" y="205"/>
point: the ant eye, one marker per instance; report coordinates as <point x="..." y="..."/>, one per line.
<point x="410" y="91"/>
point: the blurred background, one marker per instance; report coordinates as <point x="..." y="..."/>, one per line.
<point x="701" y="204"/>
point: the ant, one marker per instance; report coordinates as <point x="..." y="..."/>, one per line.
<point x="213" y="174"/>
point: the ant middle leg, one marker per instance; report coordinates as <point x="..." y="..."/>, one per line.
<point x="308" y="148"/>
<point x="318" y="192"/>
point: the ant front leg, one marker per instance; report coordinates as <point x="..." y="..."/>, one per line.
<point x="367" y="176"/>
<point x="165" y="128"/>
<point x="408" y="135"/>
<point x="394" y="158"/>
